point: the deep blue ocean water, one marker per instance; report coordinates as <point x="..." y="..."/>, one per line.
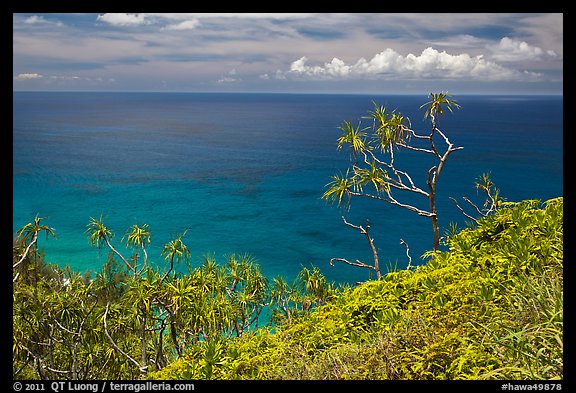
<point x="245" y="172"/>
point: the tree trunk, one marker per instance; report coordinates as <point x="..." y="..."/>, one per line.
<point x="432" y="198"/>
<point x="436" y="232"/>
<point x="174" y="336"/>
<point x="144" y="359"/>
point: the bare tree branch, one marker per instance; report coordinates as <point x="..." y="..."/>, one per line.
<point x="407" y="254"/>
<point x="128" y="265"/>
<point x="356" y="263"/>
<point x="142" y="368"/>
<point x="34" y="239"/>
<point x="420" y="149"/>
<point x="474" y="206"/>
<point x="398" y="184"/>
<point x="462" y="210"/>
<point x="364" y="230"/>
<point x="392" y="201"/>
<point x="41" y="364"/>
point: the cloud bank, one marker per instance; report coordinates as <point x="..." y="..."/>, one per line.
<point x="508" y="50"/>
<point x="283" y="52"/>
<point x="27" y="76"/>
<point x="123" y="19"/>
<point x="430" y="64"/>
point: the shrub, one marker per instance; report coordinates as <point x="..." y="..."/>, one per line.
<point x="489" y="308"/>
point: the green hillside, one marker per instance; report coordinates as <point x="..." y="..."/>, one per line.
<point x="489" y="308"/>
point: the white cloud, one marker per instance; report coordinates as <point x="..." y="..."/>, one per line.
<point x="227" y="79"/>
<point x="209" y="15"/>
<point x="513" y="50"/>
<point x="34" y="19"/>
<point x="187" y="21"/>
<point x="430" y="64"/>
<point x="230" y="77"/>
<point x="123" y="19"/>
<point x="63" y="80"/>
<point x="28" y="76"/>
<point x="248" y="15"/>
<point x="190" y="24"/>
<point x="66" y="77"/>
<point x="459" y="41"/>
<point x="39" y="20"/>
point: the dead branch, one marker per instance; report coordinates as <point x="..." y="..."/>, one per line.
<point x="142" y="368"/>
<point x="407" y="254"/>
<point x="462" y="210"/>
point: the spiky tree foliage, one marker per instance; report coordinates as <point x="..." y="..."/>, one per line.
<point x="175" y="250"/>
<point x="99" y="234"/>
<point x="27" y="239"/>
<point x="492" y="202"/>
<point x="373" y="172"/>
<point x="138" y="236"/>
<point x="128" y="320"/>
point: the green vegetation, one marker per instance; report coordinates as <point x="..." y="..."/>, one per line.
<point x="489" y="307"/>
<point x="127" y="320"/>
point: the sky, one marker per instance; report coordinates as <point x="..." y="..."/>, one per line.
<point x="460" y="53"/>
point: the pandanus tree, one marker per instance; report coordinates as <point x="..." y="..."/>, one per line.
<point x="55" y="328"/>
<point x="137" y="315"/>
<point x="374" y="173"/>
<point x="177" y="298"/>
<point x="28" y="236"/>
<point x="247" y="291"/>
<point x="313" y="283"/>
<point x="175" y="250"/>
<point x="100" y="234"/>
<point x="138" y="236"/>
<point x="493" y="200"/>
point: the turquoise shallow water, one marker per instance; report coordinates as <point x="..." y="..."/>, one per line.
<point x="245" y="172"/>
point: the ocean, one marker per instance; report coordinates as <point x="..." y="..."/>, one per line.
<point x="244" y="173"/>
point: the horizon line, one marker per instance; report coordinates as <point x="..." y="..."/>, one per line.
<point x="286" y="92"/>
